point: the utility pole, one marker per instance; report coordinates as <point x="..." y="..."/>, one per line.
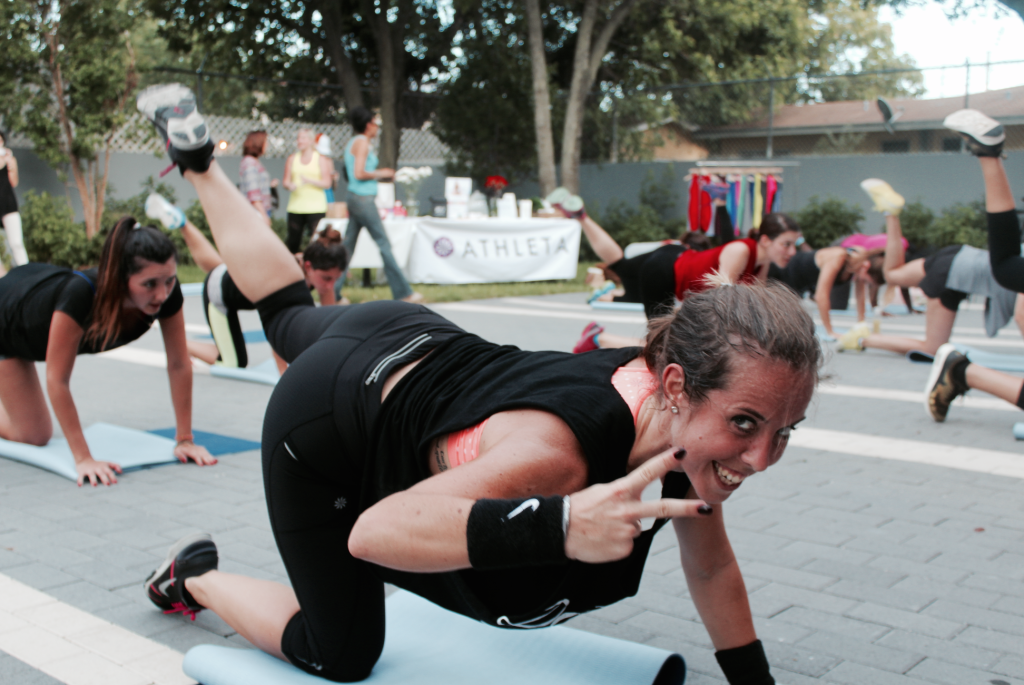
<point x="771" y="117"/>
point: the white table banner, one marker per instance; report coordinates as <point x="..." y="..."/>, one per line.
<point x="494" y="250"/>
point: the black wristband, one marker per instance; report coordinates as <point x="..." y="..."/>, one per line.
<point x="507" y="533"/>
<point x="746" y="665"/>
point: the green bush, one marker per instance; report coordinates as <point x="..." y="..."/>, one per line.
<point x="822" y="221"/>
<point x="916" y="221"/>
<point x="52" y="235"/>
<point x="648" y="221"/>
<point x="961" y="225"/>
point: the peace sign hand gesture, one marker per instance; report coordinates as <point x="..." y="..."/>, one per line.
<point x="605" y="518"/>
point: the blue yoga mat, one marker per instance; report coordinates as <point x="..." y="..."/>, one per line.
<point x="257" y="336"/>
<point x="1013" y="363"/>
<point x="215" y="443"/>
<point x="427" y="645"/>
<point x="618" y="306"/>
<point x="131" y="449"/>
<point x="265" y="373"/>
<point x="1018" y="431"/>
<point x="191" y="289"/>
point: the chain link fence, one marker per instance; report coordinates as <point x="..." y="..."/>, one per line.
<point x="770" y="118"/>
<point x="233" y="106"/>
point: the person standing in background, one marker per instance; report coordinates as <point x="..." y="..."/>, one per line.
<point x="307" y="174"/>
<point x="254" y="181"/>
<point x="9" y="205"/>
<point x="363" y="174"/>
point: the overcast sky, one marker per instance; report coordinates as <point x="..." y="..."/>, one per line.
<point x="933" y="40"/>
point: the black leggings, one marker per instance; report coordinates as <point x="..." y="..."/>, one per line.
<point x="298" y="225"/>
<point x="317" y="434"/>
<point x="651" y="278"/>
<point x="1004" y="250"/>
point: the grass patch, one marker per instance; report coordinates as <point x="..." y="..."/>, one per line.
<point x="472" y="291"/>
<point x="189" y="273"/>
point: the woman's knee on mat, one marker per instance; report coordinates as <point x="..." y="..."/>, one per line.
<point x="349" y="659"/>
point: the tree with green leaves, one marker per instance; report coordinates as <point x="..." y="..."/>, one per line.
<point x="70" y="72"/>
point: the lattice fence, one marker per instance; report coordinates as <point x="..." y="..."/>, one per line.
<point x="418" y="147"/>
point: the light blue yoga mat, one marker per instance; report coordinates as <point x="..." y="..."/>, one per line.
<point x="215" y="443"/>
<point x="618" y="306"/>
<point x="427" y="645"/>
<point x="251" y="337"/>
<point x="191" y="289"/>
<point x="265" y="373"/>
<point x="131" y="449"/>
<point x="1018" y="431"/>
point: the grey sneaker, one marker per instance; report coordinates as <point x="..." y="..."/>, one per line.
<point x="192" y="555"/>
<point x="942" y="389"/>
<point x="172" y="109"/>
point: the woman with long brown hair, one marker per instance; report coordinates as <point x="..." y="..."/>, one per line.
<point x="52" y="314"/>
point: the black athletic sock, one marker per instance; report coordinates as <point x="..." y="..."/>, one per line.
<point x="959" y="373"/>
<point x="1020" y="398"/>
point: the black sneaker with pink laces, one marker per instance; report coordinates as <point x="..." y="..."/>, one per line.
<point x="192" y="555"/>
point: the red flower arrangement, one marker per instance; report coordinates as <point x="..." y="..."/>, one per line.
<point x="495" y="184"/>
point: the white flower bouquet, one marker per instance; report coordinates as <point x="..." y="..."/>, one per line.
<point x="411" y="179"/>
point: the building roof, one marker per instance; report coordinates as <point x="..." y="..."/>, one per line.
<point x="1006" y="105"/>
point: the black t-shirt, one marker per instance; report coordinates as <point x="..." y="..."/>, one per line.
<point x="462" y="382"/>
<point x="30" y="294"/>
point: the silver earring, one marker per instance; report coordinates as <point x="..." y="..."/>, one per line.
<point x="675" y="409"/>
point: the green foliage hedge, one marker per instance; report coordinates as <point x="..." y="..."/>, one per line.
<point x="648" y="221"/>
<point x="823" y="221"/>
<point x="52" y="235"/>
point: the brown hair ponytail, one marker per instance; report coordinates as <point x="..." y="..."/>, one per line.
<point x="125" y="246"/>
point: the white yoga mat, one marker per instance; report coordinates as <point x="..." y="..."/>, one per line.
<point x="427" y="645"/>
<point x="131" y="449"/>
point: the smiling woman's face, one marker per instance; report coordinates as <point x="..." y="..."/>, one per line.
<point x="742" y="428"/>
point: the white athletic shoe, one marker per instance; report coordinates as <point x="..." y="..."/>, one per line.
<point x="157" y="207"/>
<point x="984" y="136"/>
<point x="557" y="196"/>
<point x="886" y="200"/>
<point x="172" y="109"/>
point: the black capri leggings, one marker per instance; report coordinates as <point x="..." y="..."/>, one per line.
<point x="1004" y="250"/>
<point x="651" y="278"/>
<point x="316" y="440"/>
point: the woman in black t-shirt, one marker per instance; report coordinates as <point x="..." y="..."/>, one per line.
<point x="371" y="474"/>
<point x="53" y="314"/>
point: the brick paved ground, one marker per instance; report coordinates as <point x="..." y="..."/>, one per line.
<point x="860" y="570"/>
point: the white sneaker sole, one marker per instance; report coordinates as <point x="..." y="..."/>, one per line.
<point x="159" y="209"/>
<point x="941" y="355"/>
<point x="983" y="129"/>
<point x="165" y="95"/>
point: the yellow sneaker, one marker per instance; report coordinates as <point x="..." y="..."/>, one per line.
<point x="886" y="200"/>
<point x="853" y="339"/>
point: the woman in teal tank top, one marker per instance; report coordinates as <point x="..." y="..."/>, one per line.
<point x="363" y="174"/>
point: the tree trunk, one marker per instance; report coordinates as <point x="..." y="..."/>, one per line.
<point x="347" y="76"/>
<point x="590" y="51"/>
<point x="541" y="100"/>
<point x="389" y="82"/>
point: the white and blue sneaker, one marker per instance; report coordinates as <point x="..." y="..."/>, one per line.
<point x="984" y="135"/>
<point x="172" y="109"/>
<point x="157" y="207"/>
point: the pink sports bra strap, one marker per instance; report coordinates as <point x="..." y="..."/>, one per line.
<point x="635" y="384"/>
<point x="464" y="445"/>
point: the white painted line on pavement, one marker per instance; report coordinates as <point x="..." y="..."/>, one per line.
<point x="76" y="647"/>
<point x="517" y="311"/>
<point x="915" y="397"/>
<point x="914" y="451"/>
<point x="527" y="302"/>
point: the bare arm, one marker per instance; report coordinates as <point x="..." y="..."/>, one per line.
<point x="12" y="168"/>
<point x="733" y="260"/>
<point x="423" y="529"/>
<point x="61" y="351"/>
<point x="360" y="149"/>
<point x="823" y="290"/>
<point x="714" y="579"/>
<point x="859" y="295"/>
<point x="287" y="180"/>
<point x="179" y="372"/>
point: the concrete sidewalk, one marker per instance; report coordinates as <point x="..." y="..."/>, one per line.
<point x="860" y="569"/>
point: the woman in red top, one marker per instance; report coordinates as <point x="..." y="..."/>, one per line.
<point x="668" y="273"/>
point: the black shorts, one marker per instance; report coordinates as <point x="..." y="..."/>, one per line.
<point x="650" y="278"/>
<point x="936" y="272"/>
